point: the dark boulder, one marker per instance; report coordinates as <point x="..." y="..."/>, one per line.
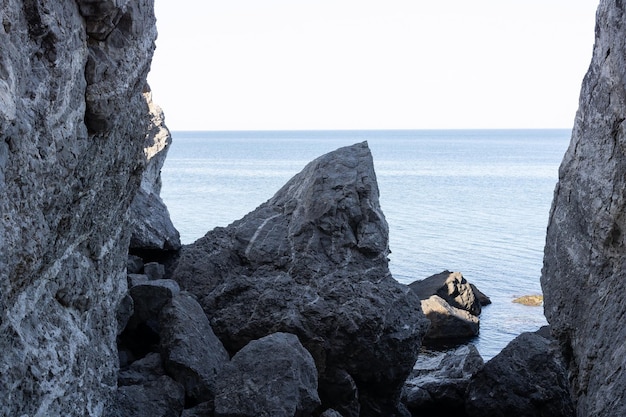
<point x="162" y="397"/>
<point x="437" y="384"/>
<point x="274" y="376"/>
<point x="192" y="354"/>
<point x="312" y="261"/>
<point x="528" y="378"/>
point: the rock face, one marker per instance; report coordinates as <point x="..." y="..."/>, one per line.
<point x="72" y="128"/>
<point x="312" y="261"/>
<point x="528" y="378"/>
<point x="152" y="227"/>
<point x="583" y="277"/>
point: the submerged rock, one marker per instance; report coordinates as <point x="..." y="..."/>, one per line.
<point x="583" y="277"/>
<point x="312" y="261"/>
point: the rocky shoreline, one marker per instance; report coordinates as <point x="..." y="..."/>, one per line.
<point x="292" y="310"/>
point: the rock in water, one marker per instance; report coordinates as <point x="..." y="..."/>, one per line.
<point x="583" y="277"/>
<point x="312" y="261"/>
<point x="72" y="126"/>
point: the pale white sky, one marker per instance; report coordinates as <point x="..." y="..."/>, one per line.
<point x="370" y="64"/>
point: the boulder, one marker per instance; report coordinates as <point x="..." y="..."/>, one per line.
<point x="193" y="355"/>
<point x="274" y="376"/>
<point x="144" y="370"/>
<point x="528" y="378"/>
<point x="312" y="261"/>
<point x="154" y="270"/>
<point x="162" y="397"/>
<point x="437" y="384"/>
<point x="73" y="120"/>
<point x="447" y="322"/>
<point x="583" y="277"/>
<point x="205" y="409"/>
<point x="452" y="287"/>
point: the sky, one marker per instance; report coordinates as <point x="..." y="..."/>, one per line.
<point x="370" y="64"/>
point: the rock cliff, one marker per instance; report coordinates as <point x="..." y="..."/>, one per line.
<point x="583" y="277"/>
<point x="72" y="128"/>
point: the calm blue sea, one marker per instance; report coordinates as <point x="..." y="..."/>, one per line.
<point x="475" y="201"/>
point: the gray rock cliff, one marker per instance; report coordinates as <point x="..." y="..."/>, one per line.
<point x="583" y="277"/>
<point x="72" y="126"/>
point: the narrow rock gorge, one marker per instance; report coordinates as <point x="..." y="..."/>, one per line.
<point x="73" y="120"/>
<point x="583" y="277"/>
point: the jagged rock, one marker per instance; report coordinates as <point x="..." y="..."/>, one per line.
<point x="205" y="409"/>
<point x="452" y="287"/>
<point x="331" y="413"/>
<point x="528" y="378"/>
<point x="437" y="385"/>
<point x="163" y="397"/>
<point x="152" y="227"/>
<point x="125" y="310"/>
<point x="313" y="261"/>
<point x="583" y="277"/>
<point x="337" y="388"/>
<point x="447" y="322"/>
<point x="144" y="370"/>
<point x="480" y="296"/>
<point x="67" y="180"/>
<point x="149" y="298"/>
<point x="274" y="376"/>
<point x="193" y="355"/>
<point x="136" y="279"/>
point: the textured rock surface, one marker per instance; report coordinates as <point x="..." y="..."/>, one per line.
<point x="72" y="128"/>
<point x="447" y="322"/>
<point x="162" y="397"/>
<point x="274" y="376"/>
<point x="152" y="227"/>
<point x="584" y="274"/>
<point x="312" y="261"/>
<point x="193" y="355"/>
<point x="528" y="378"/>
<point x="437" y="384"/>
<point x="452" y="287"/>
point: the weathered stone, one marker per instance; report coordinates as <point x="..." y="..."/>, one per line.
<point x="437" y="384"/>
<point x="313" y="261"/>
<point x="528" y="378"/>
<point x="204" y="409"/>
<point x="134" y="265"/>
<point x="152" y="228"/>
<point x="193" y="355"/>
<point x="66" y="187"/>
<point x="149" y="297"/>
<point x="125" y="310"/>
<point x="447" y="322"/>
<point x="142" y="371"/>
<point x="583" y="277"/>
<point x="154" y="270"/>
<point x="274" y="376"/>
<point x="136" y="279"/>
<point x="331" y="413"/>
<point x="452" y="287"/>
<point x="163" y="397"/>
<point x="483" y="299"/>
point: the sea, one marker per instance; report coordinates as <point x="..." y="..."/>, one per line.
<point x="473" y="201"/>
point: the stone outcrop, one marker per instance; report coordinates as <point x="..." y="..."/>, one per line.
<point x="583" y="277"/>
<point x="72" y="130"/>
<point x="528" y="378"/>
<point x="152" y="228"/>
<point x="274" y="376"/>
<point x="312" y="261"/>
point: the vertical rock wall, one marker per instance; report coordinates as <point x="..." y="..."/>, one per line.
<point x="72" y="129"/>
<point x="584" y="273"/>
